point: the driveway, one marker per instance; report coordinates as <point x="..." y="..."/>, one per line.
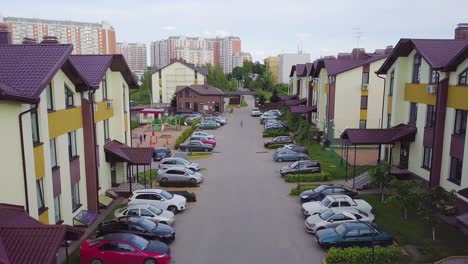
<point x="243" y="213"/>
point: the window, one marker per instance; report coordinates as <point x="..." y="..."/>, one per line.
<point x="133" y="212"/>
<point x="35" y="127"/>
<point x="460" y="122"/>
<point x="53" y="153"/>
<point x="40" y="195"/>
<point x="430" y="116"/>
<point x="364" y="99"/>
<point x="413" y="114"/>
<point x="187" y="93"/>
<point x="145" y="212"/>
<point x="463" y="78"/>
<point x="416" y="68"/>
<point x="365" y="78"/>
<point x="187" y="105"/>
<point x="106" y="129"/>
<point x="49" y="98"/>
<point x="427" y="158"/>
<point x="72" y="145"/>
<point x="124" y="247"/>
<point x="362" y="123"/>
<point x="109" y="247"/>
<point x="104" y="88"/>
<point x="57" y="210"/>
<point x="433" y="76"/>
<point x="75" y="191"/>
<point x="389" y="120"/>
<point x="392" y="82"/>
<point x="456" y="167"/>
<point x="69" y="101"/>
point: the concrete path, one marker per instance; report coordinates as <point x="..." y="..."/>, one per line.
<point x="243" y="213"/>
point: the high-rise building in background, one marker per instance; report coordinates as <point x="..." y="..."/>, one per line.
<point x="273" y="65"/>
<point x="87" y="38"/>
<point x="286" y="61"/>
<point x="225" y="51"/>
<point x="135" y="55"/>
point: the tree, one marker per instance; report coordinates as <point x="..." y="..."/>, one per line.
<point x="238" y="73"/>
<point x="404" y="194"/>
<point x="275" y="97"/>
<point x="261" y="100"/>
<point x="217" y="78"/>
<point x="381" y="176"/>
<point x="174" y="101"/>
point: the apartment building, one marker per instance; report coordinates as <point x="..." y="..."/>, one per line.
<point x="135" y="55"/>
<point x="273" y="65"/>
<point x="286" y="61"/>
<point x="164" y="81"/>
<point x="61" y="113"/>
<point x="199" y="98"/>
<point x="87" y="38"/>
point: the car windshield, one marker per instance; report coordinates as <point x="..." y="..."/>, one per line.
<point x="191" y="172"/>
<point x="320" y="188"/>
<point x="340" y="230"/>
<point x="326" y="202"/>
<point x="160" y="150"/>
<point x="147" y="224"/>
<point x="155" y="210"/>
<point x="166" y="195"/>
<point x="327" y="214"/>
<point x="294" y="165"/>
<point x="185" y="162"/>
<point x="139" y="242"/>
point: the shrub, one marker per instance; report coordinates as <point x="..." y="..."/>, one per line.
<point x="178" y="184"/>
<point x="314" y="177"/>
<point x="275" y="133"/>
<point x="357" y="255"/>
<point x="297" y="191"/>
<point x="275" y="146"/>
<point x="190" y="196"/>
<point x="133" y="124"/>
<point x="186" y="134"/>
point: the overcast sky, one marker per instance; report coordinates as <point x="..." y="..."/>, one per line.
<point x="266" y="27"/>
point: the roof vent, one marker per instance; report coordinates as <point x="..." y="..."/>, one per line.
<point x="5" y="34"/>
<point x="50" y="40"/>
<point x="461" y="32"/>
<point x="28" y="40"/>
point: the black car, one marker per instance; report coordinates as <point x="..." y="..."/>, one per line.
<point x="301" y="167"/>
<point x="160" y="153"/>
<point x="195" y="145"/>
<point x="279" y="140"/>
<point x="323" y="190"/>
<point x="139" y="226"/>
<point x="297" y="148"/>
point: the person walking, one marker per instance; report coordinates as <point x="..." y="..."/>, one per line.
<point x="144" y="137"/>
<point x="141" y="139"/>
<point x="241" y="123"/>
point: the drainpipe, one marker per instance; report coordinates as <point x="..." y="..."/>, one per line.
<point x="130" y="114"/>
<point x="381" y="118"/>
<point x="434" y="129"/>
<point x="20" y="118"/>
<point x="91" y="98"/>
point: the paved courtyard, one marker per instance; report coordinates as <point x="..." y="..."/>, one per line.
<point x="243" y="213"/>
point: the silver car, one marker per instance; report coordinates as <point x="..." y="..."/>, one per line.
<point x="333" y="218"/>
<point x="148" y="211"/>
<point x="178" y="162"/>
<point x="179" y="174"/>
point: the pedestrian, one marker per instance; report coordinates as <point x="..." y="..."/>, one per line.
<point x="242" y="123"/>
<point x="141" y="139"/>
<point x="144" y="137"/>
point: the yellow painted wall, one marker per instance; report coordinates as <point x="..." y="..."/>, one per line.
<point x="417" y="93"/>
<point x="39" y="161"/>
<point x="389" y="104"/>
<point x="103" y="112"/>
<point x="44" y="217"/>
<point x="363" y="114"/>
<point x="364" y="92"/>
<point x="64" y="121"/>
<point x="458" y="97"/>
<point x="273" y="64"/>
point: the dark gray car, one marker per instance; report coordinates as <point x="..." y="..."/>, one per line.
<point x="195" y="145"/>
<point x="301" y="167"/>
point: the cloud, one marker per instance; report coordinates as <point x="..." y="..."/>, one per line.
<point x="168" y="28"/>
<point x="222" y="33"/>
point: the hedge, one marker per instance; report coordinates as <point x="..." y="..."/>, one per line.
<point x="314" y="177"/>
<point x="190" y="196"/>
<point x="297" y="191"/>
<point x="275" y="146"/>
<point x="275" y="133"/>
<point x="133" y="124"/>
<point x="359" y="255"/>
<point x="178" y="184"/>
<point x="186" y="134"/>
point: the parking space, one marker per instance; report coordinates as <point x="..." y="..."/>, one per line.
<point x="243" y="213"/>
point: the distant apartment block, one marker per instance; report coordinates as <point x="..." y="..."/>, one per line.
<point x="87" y="38"/>
<point x="225" y="52"/>
<point x="135" y="55"/>
<point x="273" y="65"/>
<point x="286" y="61"/>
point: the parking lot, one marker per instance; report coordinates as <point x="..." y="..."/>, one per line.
<point x="243" y="213"/>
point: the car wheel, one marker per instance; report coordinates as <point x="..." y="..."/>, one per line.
<point x="96" y="261"/>
<point x="206" y="150"/>
<point x="301" y="158"/>
<point x="164" y="180"/>
<point x="173" y="209"/>
<point x="280" y="160"/>
<point x="150" y="261"/>
<point x="193" y="181"/>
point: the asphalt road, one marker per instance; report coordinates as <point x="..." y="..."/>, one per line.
<point x="243" y="213"/>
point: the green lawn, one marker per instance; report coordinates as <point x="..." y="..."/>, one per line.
<point x="413" y="231"/>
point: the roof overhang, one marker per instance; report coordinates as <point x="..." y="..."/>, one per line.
<point x="294" y="102"/>
<point x="377" y="136"/>
<point x="118" y="152"/>
<point x="299" y="109"/>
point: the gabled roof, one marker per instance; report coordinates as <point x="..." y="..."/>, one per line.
<point x="310" y="68"/>
<point x="120" y="152"/>
<point x="26" y="69"/>
<point x="293" y="69"/>
<point x="202" y="89"/>
<point x="293" y="102"/>
<point x="375" y="136"/>
<point x="337" y="66"/>
<point x="440" y="54"/>
<point x="93" y="68"/>
<point x="301" y="70"/>
<point x="202" y="70"/>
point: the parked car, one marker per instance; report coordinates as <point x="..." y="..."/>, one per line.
<point x="208" y="124"/>
<point x="335" y="201"/>
<point x="193" y="117"/>
<point x="179" y="174"/>
<point x="353" y="234"/>
<point x="204" y="140"/>
<point x="138" y="226"/>
<point x="159" y="198"/>
<point x="297" y="148"/>
<point x="279" y="140"/>
<point x="273" y="122"/>
<point x="177" y="162"/>
<point x="160" y="153"/>
<point x="288" y="155"/>
<point x="195" y="145"/>
<point x="203" y="134"/>
<point x="301" y="167"/>
<point x="122" y="248"/>
<point x="267" y="116"/>
<point x="333" y="218"/>
<point x="220" y="120"/>
<point x="274" y="126"/>
<point x="323" y="190"/>
<point x="256" y="111"/>
<point x="274" y="112"/>
<point x="147" y="211"/>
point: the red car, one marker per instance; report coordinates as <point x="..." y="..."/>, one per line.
<point x="205" y="140"/>
<point x="123" y="248"/>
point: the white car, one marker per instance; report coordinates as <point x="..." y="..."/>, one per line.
<point x="203" y="134"/>
<point x="179" y="174"/>
<point x="177" y="162"/>
<point x="332" y="218"/>
<point x="340" y="202"/>
<point x="267" y="116"/>
<point x="256" y="112"/>
<point x="274" y="112"/>
<point x="148" y="211"/>
<point x="159" y="198"/>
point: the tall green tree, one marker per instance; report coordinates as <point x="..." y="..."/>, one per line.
<point x="404" y="194"/>
<point x="216" y="77"/>
<point x="381" y="176"/>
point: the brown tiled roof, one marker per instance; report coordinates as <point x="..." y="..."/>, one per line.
<point x="123" y="153"/>
<point x="287" y="97"/>
<point x="301" y="70"/>
<point x="375" y="136"/>
<point x="202" y="70"/>
<point x="337" y="66"/>
<point x="310" y="69"/>
<point x="295" y="102"/>
<point x="299" y="109"/>
<point x="202" y="89"/>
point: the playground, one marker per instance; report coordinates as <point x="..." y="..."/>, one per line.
<point x="162" y="132"/>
